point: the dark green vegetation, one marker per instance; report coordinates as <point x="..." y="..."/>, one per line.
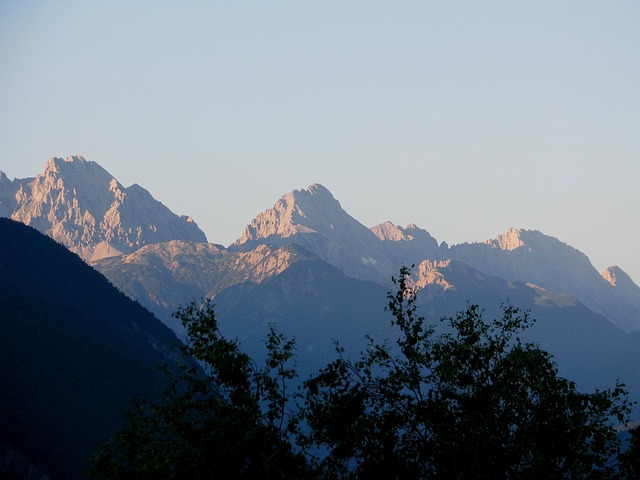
<point x="73" y="351"/>
<point x="630" y="458"/>
<point x="462" y="399"/>
<point x="230" y="422"/>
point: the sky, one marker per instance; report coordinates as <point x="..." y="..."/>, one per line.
<point x="463" y="117"/>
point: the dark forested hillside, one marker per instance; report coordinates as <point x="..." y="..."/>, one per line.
<point x="73" y="351"/>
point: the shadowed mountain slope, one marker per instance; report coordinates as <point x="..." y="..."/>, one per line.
<point x="315" y="302"/>
<point x="531" y="256"/>
<point x="586" y="345"/>
<point x="311" y="301"/>
<point x="166" y="275"/>
<point x="73" y="351"/>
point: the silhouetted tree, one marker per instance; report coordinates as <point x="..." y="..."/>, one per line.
<point x="630" y="459"/>
<point x="465" y="399"/>
<point x="470" y="401"/>
<point x="222" y="416"/>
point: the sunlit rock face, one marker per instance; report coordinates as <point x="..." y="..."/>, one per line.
<point x="433" y="273"/>
<point x="81" y="205"/>
<point x="314" y="219"/>
<point x="618" y="278"/>
<point x="408" y="245"/>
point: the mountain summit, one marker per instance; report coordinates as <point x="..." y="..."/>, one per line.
<point x="81" y="205"/>
<point x="531" y="256"/>
<point x="314" y="219"/>
<point x="311" y="210"/>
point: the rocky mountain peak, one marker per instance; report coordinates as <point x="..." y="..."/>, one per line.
<point x="314" y="219"/>
<point x="69" y="164"/>
<point x="55" y="162"/>
<point x="313" y="202"/>
<point x="53" y="165"/>
<point x="316" y="189"/>
<point x="309" y="210"/>
<point x="431" y="273"/>
<point x="533" y="240"/>
<point x="509" y="240"/>
<point x="389" y="231"/>
<point x="527" y="255"/>
<point x="82" y="206"/>
<point x="409" y="245"/>
<point x="531" y="256"/>
<point x="617" y="277"/>
<point x="76" y="174"/>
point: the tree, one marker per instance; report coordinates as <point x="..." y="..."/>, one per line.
<point x="220" y="415"/>
<point x="630" y="458"/>
<point x="470" y="400"/>
<point x="459" y="400"/>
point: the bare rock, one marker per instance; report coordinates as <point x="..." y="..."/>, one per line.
<point x="81" y="205"/>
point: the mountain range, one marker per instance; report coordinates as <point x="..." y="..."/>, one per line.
<point x="116" y="228"/>
<point x="321" y="276"/>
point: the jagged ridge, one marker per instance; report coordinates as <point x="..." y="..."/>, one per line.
<point x="82" y="206"/>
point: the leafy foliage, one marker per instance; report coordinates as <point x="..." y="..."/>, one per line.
<point x="222" y="415"/>
<point x="470" y="401"/>
<point x="630" y="459"/>
<point x="463" y="399"/>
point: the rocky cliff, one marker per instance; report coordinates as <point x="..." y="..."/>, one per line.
<point x="314" y="219"/>
<point x="409" y="245"/>
<point x="164" y="276"/>
<point x="82" y="206"/>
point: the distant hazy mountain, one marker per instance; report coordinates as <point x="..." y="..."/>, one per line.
<point x="530" y="256"/>
<point x="317" y="273"/>
<point x="81" y="205"/>
<point x="409" y="245"/>
<point x="166" y="275"/>
<point x="73" y="351"/>
<point x="586" y="345"/>
<point x="314" y="219"/>
<point x="316" y="303"/>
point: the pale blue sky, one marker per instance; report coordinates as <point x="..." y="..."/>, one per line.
<point x="465" y="118"/>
